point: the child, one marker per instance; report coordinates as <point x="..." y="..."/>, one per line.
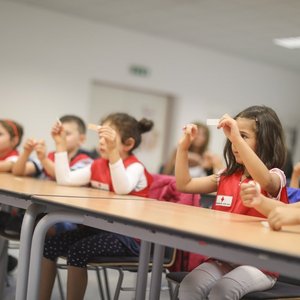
<point x="201" y="161"/>
<point x="10" y="138"/>
<point x="278" y="213"/>
<point x="117" y="170"/>
<point x="254" y="150"/>
<point x="11" y="134"/>
<point x="75" y="131"/>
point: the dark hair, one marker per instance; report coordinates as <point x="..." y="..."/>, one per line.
<point x="75" y="119"/>
<point x="14" y="129"/>
<point x="203" y="147"/>
<point x="129" y="127"/>
<point x="270" y="140"/>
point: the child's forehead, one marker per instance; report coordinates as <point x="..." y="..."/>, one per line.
<point x="2" y="128"/>
<point x="70" y="125"/>
<point x="246" y="124"/>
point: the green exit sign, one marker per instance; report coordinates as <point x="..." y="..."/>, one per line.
<point x="139" y="70"/>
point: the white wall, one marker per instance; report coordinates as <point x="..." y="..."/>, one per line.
<point x="48" y="60"/>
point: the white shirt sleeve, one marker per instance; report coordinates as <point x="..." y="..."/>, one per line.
<point x="126" y="180"/>
<point x="282" y="178"/>
<point x="65" y="176"/>
<point x="13" y="158"/>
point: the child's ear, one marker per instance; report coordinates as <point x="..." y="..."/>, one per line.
<point x="129" y="144"/>
<point x="82" y="138"/>
<point x="15" y="141"/>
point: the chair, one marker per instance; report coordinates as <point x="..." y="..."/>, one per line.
<point x="120" y="264"/>
<point x="284" y="288"/>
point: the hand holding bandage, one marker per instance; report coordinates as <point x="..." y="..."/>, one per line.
<point x="59" y="136"/>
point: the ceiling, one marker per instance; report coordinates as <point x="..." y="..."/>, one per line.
<point x="243" y="28"/>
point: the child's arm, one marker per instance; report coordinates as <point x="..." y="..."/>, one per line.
<point x="184" y="182"/>
<point x="284" y="215"/>
<point x="295" y="176"/>
<point x="23" y="167"/>
<point x="6" y="165"/>
<point x="63" y="174"/>
<point x="251" y="197"/>
<point x="47" y="163"/>
<point x="268" y="181"/>
<point x="278" y="213"/>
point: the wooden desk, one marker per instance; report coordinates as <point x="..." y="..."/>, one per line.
<point x="232" y="237"/>
<point x="236" y="238"/>
<point x="18" y="192"/>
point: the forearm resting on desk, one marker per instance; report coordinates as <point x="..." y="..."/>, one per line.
<point x="65" y="176"/>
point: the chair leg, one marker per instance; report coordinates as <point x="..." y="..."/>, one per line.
<point x="175" y="292"/>
<point x="106" y="283"/>
<point x="171" y="290"/>
<point x="102" y="297"/>
<point x="60" y="287"/>
<point x="119" y="284"/>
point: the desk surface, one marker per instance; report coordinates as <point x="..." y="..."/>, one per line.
<point x="189" y="221"/>
<point x="28" y="186"/>
<point x="201" y="225"/>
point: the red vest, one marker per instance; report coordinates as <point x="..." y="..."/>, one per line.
<point x="101" y="174"/>
<point x="228" y="196"/>
<point x="11" y="153"/>
<point x="77" y="159"/>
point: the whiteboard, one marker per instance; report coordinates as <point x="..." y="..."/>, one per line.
<point x="106" y="99"/>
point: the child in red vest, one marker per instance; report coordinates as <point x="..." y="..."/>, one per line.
<point x="255" y="150"/>
<point x="75" y="130"/>
<point x="117" y="170"/>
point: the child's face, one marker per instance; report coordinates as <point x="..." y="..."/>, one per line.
<point x="74" y="138"/>
<point x="200" y="139"/>
<point x="6" y="142"/>
<point x="103" y="144"/>
<point x="247" y="130"/>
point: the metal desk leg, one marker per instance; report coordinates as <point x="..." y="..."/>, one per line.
<point x="141" y="281"/>
<point x="25" y="245"/>
<point x="37" y="247"/>
<point x="157" y="270"/>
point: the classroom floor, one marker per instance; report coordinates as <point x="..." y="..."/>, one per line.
<point x="92" y="292"/>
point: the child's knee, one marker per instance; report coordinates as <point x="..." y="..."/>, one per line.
<point x="225" y="289"/>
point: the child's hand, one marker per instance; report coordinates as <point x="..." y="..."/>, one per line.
<point x="29" y="145"/>
<point x="41" y="150"/>
<point x="250" y="194"/>
<point x="230" y="127"/>
<point x="284" y="215"/>
<point x="108" y="138"/>
<point x="59" y="136"/>
<point x="190" y="131"/>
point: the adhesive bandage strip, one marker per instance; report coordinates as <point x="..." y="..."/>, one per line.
<point x="93" y="127"/>
<point x="212" y="122"/>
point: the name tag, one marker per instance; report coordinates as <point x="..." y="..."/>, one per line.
<point x="224" y="200"/>
<point x="99" y="185"/>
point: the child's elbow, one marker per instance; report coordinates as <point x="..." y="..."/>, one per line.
<point x="122" y="191"/>
<point x="180" y="187"/>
